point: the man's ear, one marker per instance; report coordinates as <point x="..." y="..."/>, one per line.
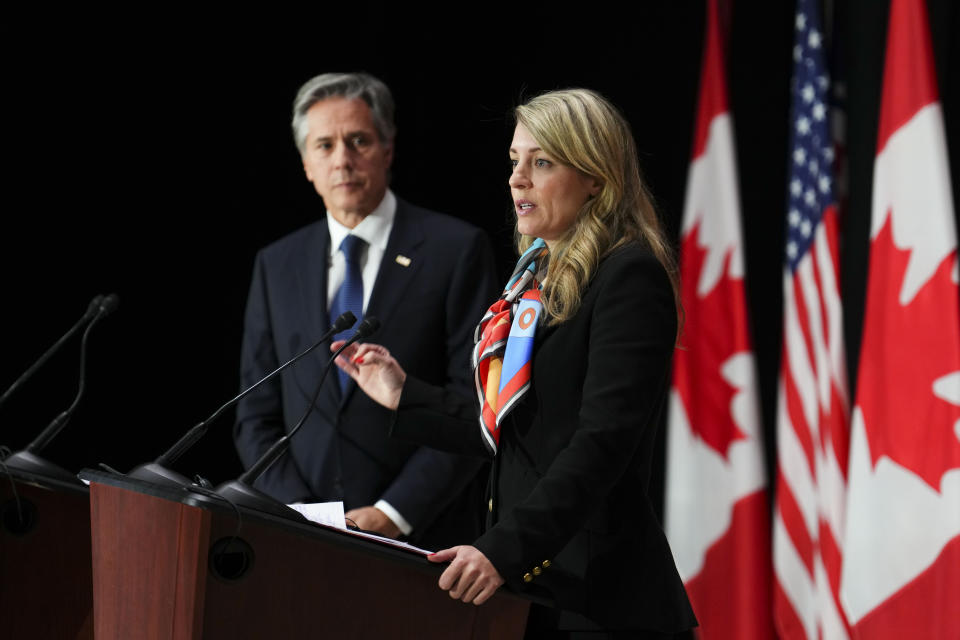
<point x="306" y="169"/>
<point x="388" y="153"/>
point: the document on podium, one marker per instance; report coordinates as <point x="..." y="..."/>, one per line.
<point x="330" y="514"/>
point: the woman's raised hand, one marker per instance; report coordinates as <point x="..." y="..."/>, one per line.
<point x="379" y="375"/>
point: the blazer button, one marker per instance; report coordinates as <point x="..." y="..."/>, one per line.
<point x="527" y="577"/>
<point x="489" y="505"/>
<point x="546" y="564"/>
<point x="537" y="571"/>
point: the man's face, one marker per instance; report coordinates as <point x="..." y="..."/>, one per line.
<point x="345" y="159"/>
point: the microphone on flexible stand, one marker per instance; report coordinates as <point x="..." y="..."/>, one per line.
<point x="27" y="459"/>
<point x="158" y="471"/>
<point x="241" y="491"/>
<point x="92" y="310"/>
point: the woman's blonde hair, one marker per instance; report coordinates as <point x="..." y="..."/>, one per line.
<point x="580" y="128"/>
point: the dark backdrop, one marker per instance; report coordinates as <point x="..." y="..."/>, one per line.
<point x="150" y="155"/>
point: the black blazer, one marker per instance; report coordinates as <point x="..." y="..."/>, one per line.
<point x="427" y="309"/>
<point x="569" y="516"/>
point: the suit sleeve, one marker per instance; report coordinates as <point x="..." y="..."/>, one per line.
<point x="439" y="418"/>
<point x="631" y="337"/>
<point x="259" y="421"/>
<point x="430" y="480"/>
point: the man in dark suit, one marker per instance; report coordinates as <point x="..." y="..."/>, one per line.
<point x="427" y="277"/>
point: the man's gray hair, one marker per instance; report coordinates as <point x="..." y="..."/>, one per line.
<point x="350" y="86"/>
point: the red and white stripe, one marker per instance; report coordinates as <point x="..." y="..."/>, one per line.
<point x="811" y="446"/>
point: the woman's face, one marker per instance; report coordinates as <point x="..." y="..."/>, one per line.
<point x="546" y="194"/>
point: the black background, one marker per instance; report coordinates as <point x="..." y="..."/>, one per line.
<point x="150" y="155"/>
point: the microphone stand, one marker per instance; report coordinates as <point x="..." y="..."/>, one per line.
<point x="241" y="490"/>
<point x="28" y="459"/>
<point x="158" y="471"/>
<point x="92" y="310"/>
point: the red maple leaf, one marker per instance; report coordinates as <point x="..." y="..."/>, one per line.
<point x="715" y="329"/>
<point x="905" y="349"/>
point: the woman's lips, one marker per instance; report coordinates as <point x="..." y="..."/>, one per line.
<point x="524" y="207"/>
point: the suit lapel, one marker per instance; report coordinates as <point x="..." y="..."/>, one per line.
<point x="402" y="260"/>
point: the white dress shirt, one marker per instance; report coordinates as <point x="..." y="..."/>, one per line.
<point x="375" y="230"/>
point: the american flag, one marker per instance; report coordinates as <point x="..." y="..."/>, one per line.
<point x="812" y="411"/>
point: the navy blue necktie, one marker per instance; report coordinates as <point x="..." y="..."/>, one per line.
<point x="349" y="296"/>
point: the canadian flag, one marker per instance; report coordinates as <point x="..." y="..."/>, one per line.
<point x="901" y="565"/>
<point x="716" y="512"/>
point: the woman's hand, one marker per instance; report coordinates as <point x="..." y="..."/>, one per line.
<point x="470" y="576"/>
<point x="375" y="370"/>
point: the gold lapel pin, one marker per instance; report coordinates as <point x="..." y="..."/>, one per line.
<point x="403" y="261"/>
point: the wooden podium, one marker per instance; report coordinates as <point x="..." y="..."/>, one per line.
<point x="45" y="570"/>
<point x="168" y="563"/>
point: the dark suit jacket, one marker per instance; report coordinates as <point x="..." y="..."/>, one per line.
<point x="569" y="513"/>
<point x="427" y="312"/>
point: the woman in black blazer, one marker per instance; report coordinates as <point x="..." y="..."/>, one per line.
<point x="572" y="374"/>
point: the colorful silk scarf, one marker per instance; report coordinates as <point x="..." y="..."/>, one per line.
<point x="503" y="347"/>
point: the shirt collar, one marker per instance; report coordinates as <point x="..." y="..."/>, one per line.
<point x="373" y="229"/>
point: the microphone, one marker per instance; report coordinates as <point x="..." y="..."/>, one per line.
<point x="158" y="471"/>
<point x="27" y="459"/>
<point x="241" y="491"/>
<point x="92" y="309"/>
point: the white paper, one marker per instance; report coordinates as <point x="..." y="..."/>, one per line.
<point x="328" y="513"/>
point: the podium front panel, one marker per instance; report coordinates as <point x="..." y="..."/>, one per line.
<point x="45" y="568"/>
<point x="170" y="564"/>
